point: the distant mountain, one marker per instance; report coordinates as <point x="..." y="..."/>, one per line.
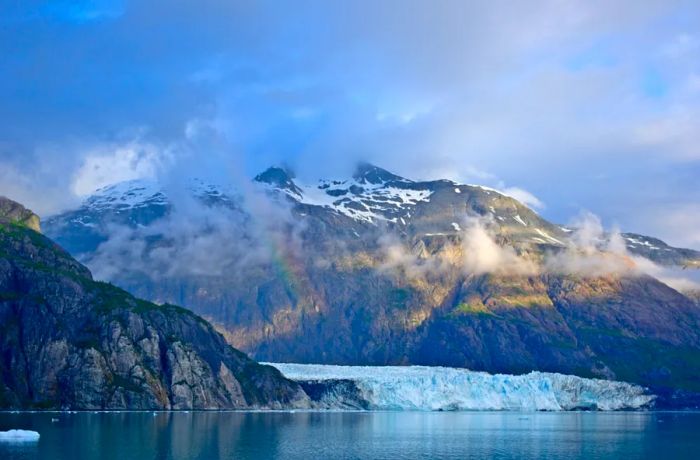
<point x="68" y="342"/>
<point x="658" y="251"/>
<point x="379" y="269"/>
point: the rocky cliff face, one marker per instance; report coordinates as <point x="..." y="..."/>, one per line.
<point x="68" y="342"/>
<point x="378" y="269"/>
<point x="12" y="212"/>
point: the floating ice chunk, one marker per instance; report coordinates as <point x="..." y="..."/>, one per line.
<point x="19" y="436"/>
<point x="457" y="190"/>
<point x="443" y="388"/>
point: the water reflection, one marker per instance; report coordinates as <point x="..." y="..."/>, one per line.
<point x="310" y="435"/>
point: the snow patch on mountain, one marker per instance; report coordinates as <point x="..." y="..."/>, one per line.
<point x="360" y="199"/>
<point x="139" y="193"/>
<point x="638" y="242"/>
<point x="520" y="220"/>
<point x="550" y="239"/>
<point x="442" y="388"/>
<point x="127" y="194"/>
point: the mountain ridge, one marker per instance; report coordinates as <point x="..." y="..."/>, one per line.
<point x="120" y="197"/>
<point x="377" y="269"/>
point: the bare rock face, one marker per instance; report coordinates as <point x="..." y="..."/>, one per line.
<point x="68" y="342"/>
<point x="12" y="212"/>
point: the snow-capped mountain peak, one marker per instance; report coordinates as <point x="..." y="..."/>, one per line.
<point x="371" y="195"/>
<point x="127" y="194"/>
<point x="140" y="193"/>
<point x="367" y="173"/>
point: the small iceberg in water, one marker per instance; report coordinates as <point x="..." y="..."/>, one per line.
<point x="19" y="436"/>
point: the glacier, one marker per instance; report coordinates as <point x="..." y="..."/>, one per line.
<point x="425" y="388"/>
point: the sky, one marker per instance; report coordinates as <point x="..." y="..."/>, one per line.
<point x="571" y="105"/>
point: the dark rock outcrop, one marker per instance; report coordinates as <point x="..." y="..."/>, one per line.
<point x="69" y="342"/>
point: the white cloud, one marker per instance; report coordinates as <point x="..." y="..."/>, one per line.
<point x="195" y="239"/>
<point x="680" y="222"/>
<point x="673" y="134"/>
<point x="443" y="89"/>
<point x="477" y="253"/>
<point x="523" y="196"/>
<point x="109" y="164"/>
<point x="37" y="192"/>
<point x="483" y="255"/>
<point x="592" y="251"/>
<point x="397" y="257"/>
<point x="679" y="279"/>
<point x="596" y="252"/>
<point x="681" y="45"/>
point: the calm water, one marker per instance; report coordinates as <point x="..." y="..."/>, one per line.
<point x="229" y="435"/>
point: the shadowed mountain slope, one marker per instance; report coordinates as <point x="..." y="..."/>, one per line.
<point x="69" y="342"/>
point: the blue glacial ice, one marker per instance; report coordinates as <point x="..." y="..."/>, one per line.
<point x="19" y="436"/>
<point x="442" y="388"/>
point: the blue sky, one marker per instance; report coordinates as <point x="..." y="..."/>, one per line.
<point x="584" y="104"/>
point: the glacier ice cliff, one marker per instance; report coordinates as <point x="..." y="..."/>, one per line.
<point x="442" y="388"/>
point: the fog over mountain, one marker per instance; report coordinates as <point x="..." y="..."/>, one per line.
<point x="215" y="227"/>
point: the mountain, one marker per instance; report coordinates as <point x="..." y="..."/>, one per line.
<point x="69" y="342"/>
<point x="377" y="269"/>
<point x="658" y="251"/>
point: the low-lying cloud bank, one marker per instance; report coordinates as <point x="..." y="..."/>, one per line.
<point x="198" y="239"/>
<point x="591" y="251"/>
<point x="254" y="229"/>
<point x="482" y="254"/>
